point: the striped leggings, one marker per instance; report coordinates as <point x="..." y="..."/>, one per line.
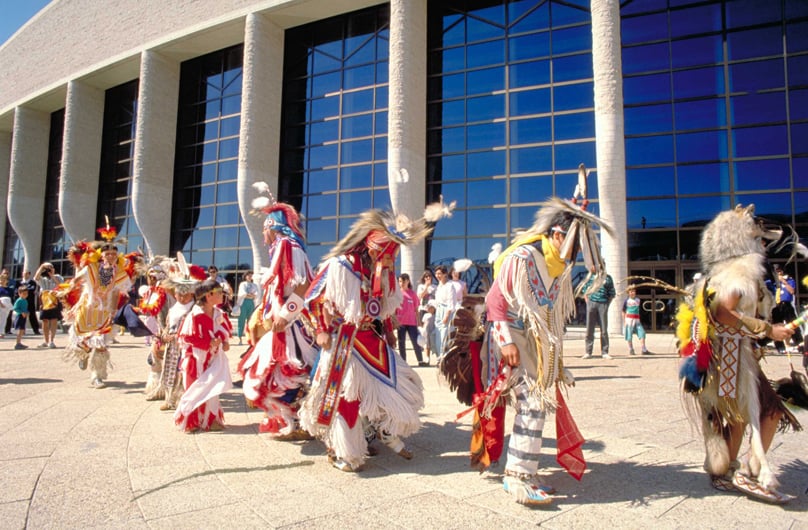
<point x="525" y="443"/>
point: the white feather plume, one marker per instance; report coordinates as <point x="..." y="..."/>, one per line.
<point x="261" y="187"/>
<point x="259" y="203"/>
<point x="496" y="250"/>
<point x="462" y="265"/>
<point x="439" y="210"/>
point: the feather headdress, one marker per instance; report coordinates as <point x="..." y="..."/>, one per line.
<point x="394" y="228"/>
<point x="280" y="216"/>
<point x="182" y="276"/>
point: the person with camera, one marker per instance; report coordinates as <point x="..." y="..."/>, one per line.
<point x="783" y="311"/>
<point x="51" y="309"/>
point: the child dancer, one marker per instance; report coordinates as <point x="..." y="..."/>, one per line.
<point x="631" y="321"/>
<point x="206" y="371"/>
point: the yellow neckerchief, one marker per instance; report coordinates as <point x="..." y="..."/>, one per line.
<point x="555" y="264"/>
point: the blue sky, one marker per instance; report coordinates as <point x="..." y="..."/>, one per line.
<point x="15" y="13"/>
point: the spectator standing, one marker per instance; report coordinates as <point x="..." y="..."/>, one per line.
<point x="783" y="311"/>
<point x="446" y="304"/>
<point x="47" y="280"/>
<point x="6" y="296"/>
<point x="407" y="316"/>
<point x="597" y="310"/>
<point x="631" y="321"/>
<point x="461" y="286"/>
<point x="20" y="315"/>
<point x="426" y="313"/>
<point x="247" y="293"/>
<point x="32" y="286"/>
<point x="227" y="291"/>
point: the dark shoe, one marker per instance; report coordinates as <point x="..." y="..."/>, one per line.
<point x="83" y="364"/>
<point x="422" y="363"/>
<point x="20" y="346"/>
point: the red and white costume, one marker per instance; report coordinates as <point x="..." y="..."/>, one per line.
<point x="206" y="372"/>
<point x="276" y="369"/>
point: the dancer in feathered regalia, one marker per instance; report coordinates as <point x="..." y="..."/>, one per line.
<point x="530" y="300"/>
<point x="152" y="310"/>
<point x="276" y="368"/>
<point x="165" y="377"/>
<point x="203" y="339"/>
<point x="103" y="278"/>
<point x="717" y="334"/>
<point x="361" y="384"/>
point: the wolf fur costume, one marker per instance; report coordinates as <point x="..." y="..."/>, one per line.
<point x="720" y="369"/>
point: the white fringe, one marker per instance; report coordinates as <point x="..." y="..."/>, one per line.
<point x="343" y="289"/>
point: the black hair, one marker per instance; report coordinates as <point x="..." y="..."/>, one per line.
<point x="108" y="246"/>
<point x="441" y="268"/>
<point x="204" y="288"/>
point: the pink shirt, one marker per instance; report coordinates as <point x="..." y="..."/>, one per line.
<point x="407" y="314"/>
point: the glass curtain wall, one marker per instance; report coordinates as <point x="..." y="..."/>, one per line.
<point x="334" y="123"/>
<point x="510" y="115"/>
<point x="117" y="152"/>
<point x="206" y="224"/>
<point x="716" y="114"/>
<point x="54" y="238"/>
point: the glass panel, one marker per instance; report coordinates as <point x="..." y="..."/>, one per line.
<point x="703" y="178"/>
<point x="529" y="74"/>
<point x="530" y="102"/>
<point x="652" y="246"/>
<point x="486" y="164"/>
<point x="760" y="141"/>
<point x="702" y="146"/>
<point x="647" y="88"/>
<point x="649" y="150"/>
<point x="649" y="182"/>
<point x="572" y="68"/>
<point x="529" y="131"/>
<point x="701" y="114"/>
<point x="572" y="126"/>
<point x="483" y="81"/>
<point x="758" y="75"/>
<point x="648" y="119"/>
<point x="697" y="52"/>
<point x="646" y="58"/>
<point x="700" y="82"/>
<point x="486" y="221"/>
<point x="486" y="136"/>
<point x="530" y="189"/>
<point x="645" y="28"/>
<point x="698" y="211"/>
<point x="531" y="160"/>
<point x="652" y="213"/>
<point x="486" y="192"/>
<point x="758" y="108"/>
<point x="702" y="19"/>
<point x="762" y="174"/>
<point x="487" y="53"/>
<point x="755" y="43"/>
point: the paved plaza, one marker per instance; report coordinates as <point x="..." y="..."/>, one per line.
<point x="75" y="457"/>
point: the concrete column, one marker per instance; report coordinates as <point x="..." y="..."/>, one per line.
<point x="262" y="89"/>
<point x="26" y="185"/>
<point x="155" y="141"/>
<point x="5" y="165"/>
<point x="406" y="121"/>
<point x="610" y="136"/>
<point x="81" y="160"/>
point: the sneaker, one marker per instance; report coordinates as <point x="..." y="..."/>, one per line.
<point x="20" y="346"/>
<point x="43" y="345"/>
<point x="52" y="346"/>
<point x="524" y="493"/>
<point x="342" y="465"/>
<point x="98" y="383"/>
<point x="646" y="352"/>
<point x="606" y="356"/>
<point x="631" y="352"/>
<point x="586" y="356"/>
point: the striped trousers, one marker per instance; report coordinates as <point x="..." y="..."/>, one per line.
<point x="525" y="443"/>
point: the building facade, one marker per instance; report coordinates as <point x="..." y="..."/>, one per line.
<point x="161" y="115"/>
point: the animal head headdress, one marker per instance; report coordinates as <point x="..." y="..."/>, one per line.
<point x="385" y="231"/>
<point x="737" y="232"/>
<point x="280" y="216"/>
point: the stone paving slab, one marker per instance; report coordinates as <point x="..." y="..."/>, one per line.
<point x="75" y="457"/>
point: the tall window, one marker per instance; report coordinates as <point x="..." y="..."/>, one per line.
<point x="510" y="115"/>
<point x="14" y="255"/>
<point x="117" y="152"/>
<point x="206" y="224"/>
<point x="716" y="113"/>
<point x="334" y="128"/>
<point x="54" y="238"/>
